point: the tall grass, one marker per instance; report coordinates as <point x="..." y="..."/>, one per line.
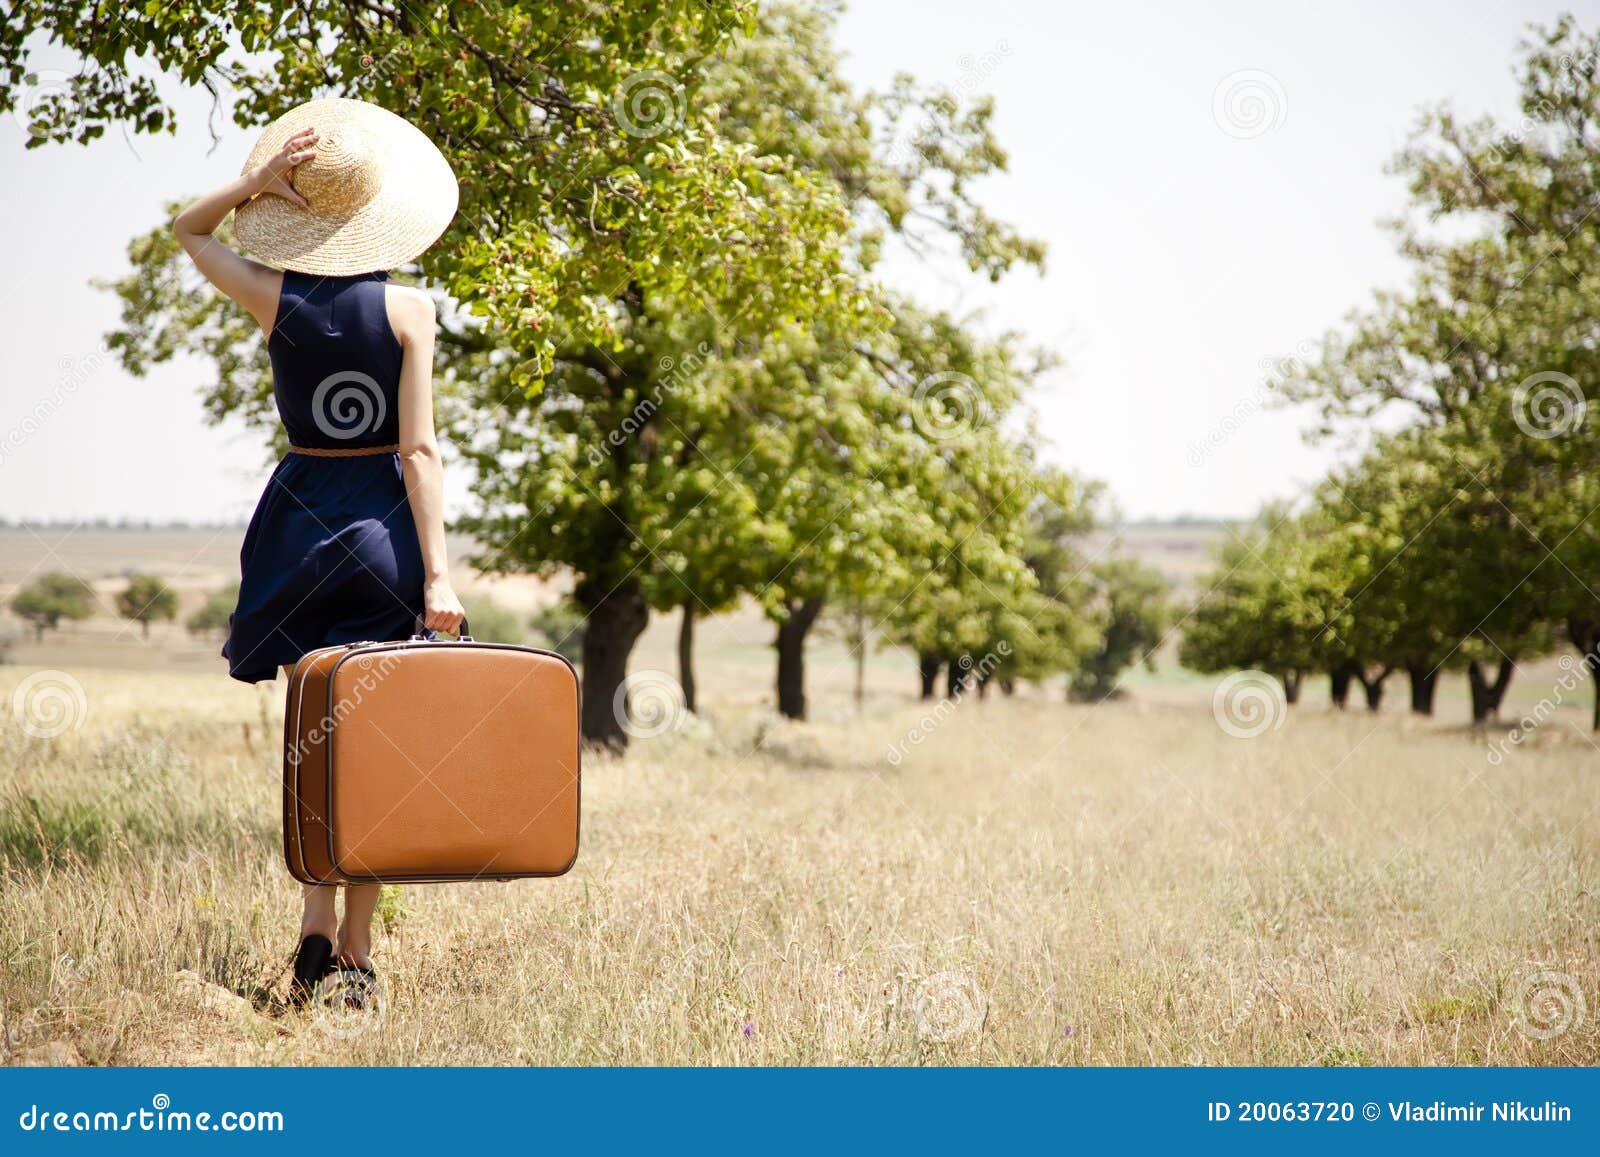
<point x="1034" y="884"/>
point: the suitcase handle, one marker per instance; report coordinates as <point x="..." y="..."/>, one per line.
<point x="419" y="634"/>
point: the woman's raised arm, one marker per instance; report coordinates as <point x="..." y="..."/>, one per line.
<point x="250" y="283"/>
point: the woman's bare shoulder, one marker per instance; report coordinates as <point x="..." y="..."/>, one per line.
<point x="412" y="312"/>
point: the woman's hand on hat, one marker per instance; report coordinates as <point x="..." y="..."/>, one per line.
<point x="278" y="170"/>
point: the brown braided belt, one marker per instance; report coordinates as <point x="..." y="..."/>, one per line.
<point x="343" y="452"/>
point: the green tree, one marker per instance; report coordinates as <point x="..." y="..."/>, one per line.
<point x="146" y="600"/>
<point x="1138" y="611"/>
<point x="48" y="599"/>
<point x="905" y="162"/>
<point x="599" y="202"/>
<point x="1428" y="567"/>
<point x="999" y="559"/>
<point x="1374" y="542"/>
<point x="1489" y="353"/>
<point x="834" y="471"/>
<point x="1072" y="619"/>
<point x="1354" y="643"/>
<point x="1526" y="188"/>
<point x="1254" y="612"/>
<point x="215" y="614"/>
<point x="659" y="220"/>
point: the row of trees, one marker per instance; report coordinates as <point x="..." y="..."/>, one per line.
<point x="51" y="599"/>
<point x="1464" y="536"/>
<point x="664" y="356"/>
<point x="1129" y="604"/>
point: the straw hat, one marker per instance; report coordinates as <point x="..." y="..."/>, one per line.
<point x="377" y="193"/>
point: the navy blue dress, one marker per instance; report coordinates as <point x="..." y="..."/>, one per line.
<point x="331" y="554"/>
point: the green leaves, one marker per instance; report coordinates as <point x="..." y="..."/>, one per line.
<point x="662" y="354"/>
<point x="1463" y="533"/>
<point x="43" y="602"/>
<point x="147" y="599"/>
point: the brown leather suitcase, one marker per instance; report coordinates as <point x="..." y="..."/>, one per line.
<point x="428" y="761"/>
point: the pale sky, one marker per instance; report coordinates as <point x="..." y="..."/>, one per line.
<point x="1189" y="242"/>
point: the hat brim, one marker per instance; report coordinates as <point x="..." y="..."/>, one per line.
<point x="414" y="204"/>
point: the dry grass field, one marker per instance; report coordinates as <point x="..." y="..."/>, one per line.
<point x="1035" y="884"/>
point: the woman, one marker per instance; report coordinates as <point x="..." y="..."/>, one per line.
<point x="347" y="542"/>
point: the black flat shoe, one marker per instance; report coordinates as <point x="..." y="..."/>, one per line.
<point x="310" y="966"/>
<point x="357" y="986"/>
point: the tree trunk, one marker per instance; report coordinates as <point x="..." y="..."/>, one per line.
<point x="791" y="644"/>
<point x="1008" y="687"/>
<point x="1486" y="696"/>
<point x="1585" y="635"/>
<point x="1339" y="684"/>
<point x="686" y="654"/>
<point x="984" y="678"/>
<point x="859" y="630"/>
<point x="928" y="667"/>
<point x="1478" y="686"/>
<point x="615" y="620"/>
<point x="1291" y="687"/>
<point x="955" y="682"/>
<point x="1424" y="680"/>
<point x="144" y="628"/>
<point x="1373" y="686"/>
